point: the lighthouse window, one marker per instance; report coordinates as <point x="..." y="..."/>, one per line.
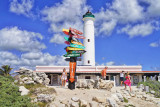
<point x="88" y="40"/>
<point x="88" y="61"/>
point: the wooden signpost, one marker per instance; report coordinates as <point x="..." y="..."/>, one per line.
<point x="75" y="50"/>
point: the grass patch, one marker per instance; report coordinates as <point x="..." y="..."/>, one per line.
<point x="125" y="100"/>
<point x="130" y="105"/>
<point x="41" y="104"/>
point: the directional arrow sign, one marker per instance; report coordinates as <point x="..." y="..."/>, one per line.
<point x="76" y="31"/>
<point x="76" y="46"/>
<point x="71" y="48"/>
<point x="78" y="43"/>
<point x="72" y="55"/>
<point x="78" y="51"/>
<point x="78" y="59"/>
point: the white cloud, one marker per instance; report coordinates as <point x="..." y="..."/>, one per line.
<point x="31" y="59"/>
<point x="118" y="12"/>
<point x="107" y="27"/>
<point x="110" y="63"/>
<point x="22" y="7"/>
<point x="138" y="30"/>
<point x="57" y="38"/>
<point x="21" y="40"/>
<point x="64" y="15"/>
<point x="127" y="11"/>
<point x="153" y="8"/>
<point x="155" y="44"/>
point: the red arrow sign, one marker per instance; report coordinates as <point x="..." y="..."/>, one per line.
<point x="72" y="71"/>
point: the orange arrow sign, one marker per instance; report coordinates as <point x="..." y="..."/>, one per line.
<point x="72" y="71"/>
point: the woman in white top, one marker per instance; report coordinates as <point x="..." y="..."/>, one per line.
<point x="64" y="77"/>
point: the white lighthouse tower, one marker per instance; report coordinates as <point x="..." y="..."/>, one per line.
<point x="89" y="42"/>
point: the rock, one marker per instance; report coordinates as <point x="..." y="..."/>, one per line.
<point x="81" y="83"/>
<point x="23" y="90"/>
<point x="112" y="102"/>
<point x="93" y="104"/>
<point x="46" y="81"/>
<point x="54" y="104"/>
<point x="20" y="83"/>
<point x="25" y="79"/>
<point x="40" y="81"/>
<point x="15" y="81"/>
<point x="139" y="96"/>
<point x="83" y="103"/>
<point x="96" y="84"/>
<point x="75" y="99"/>
<point x="64" y="101"/>
<point x="119" y="95"/>
<point x="109" y="85"/>
<point x="99" y="99"/>
<point x="44" y="98"/>
<point x="152" y="92"/>
<point x="33" y="77"/>
<point x="115" y="97"/>
<point x="74" y="104"/>
<point x="29" y="82"/>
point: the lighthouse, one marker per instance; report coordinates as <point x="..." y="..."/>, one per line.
<point x="89" y="42"/>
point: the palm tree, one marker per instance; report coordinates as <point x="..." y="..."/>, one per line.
<point x="5" y="70"/>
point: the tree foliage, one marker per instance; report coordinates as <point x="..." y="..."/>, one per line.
<point x="10" y="96"/>
<point x="5" y="70"/>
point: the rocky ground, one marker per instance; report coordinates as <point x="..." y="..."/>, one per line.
<point x="103" y="98"/>
<point x="89" y="93"/>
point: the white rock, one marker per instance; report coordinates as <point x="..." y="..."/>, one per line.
<point x="25" y="79"/>
<point x="75" y="99"/>
<point x="15" y="81"/>
<point x="112" y="102"/>
<point x="119" y="95"/>
<point x="44" y="98"/>
<point x="93" y="104"/>
<point x="115" y="97"/>
<point x="23" y="90"/>
<point x="139" y="96"/>
<point x="99" y="99"/>
<point x="29" y="82"/>
<point x="64" y="101"/>
<point x="74" y="104"/>
<point x="83" y="103"/>
<point x="152" y="92"/>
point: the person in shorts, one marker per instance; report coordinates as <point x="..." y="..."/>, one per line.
<point x="122" y="77"/>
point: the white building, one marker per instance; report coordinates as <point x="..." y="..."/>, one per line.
<point x="89" y="42"/>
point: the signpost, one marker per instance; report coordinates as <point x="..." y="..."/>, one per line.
<point x="75" y="50"/>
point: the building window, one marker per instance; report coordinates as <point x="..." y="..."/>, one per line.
<point x="87" y="77"/>
<point x="88" y="40"/>
<point x="88" y="61"/>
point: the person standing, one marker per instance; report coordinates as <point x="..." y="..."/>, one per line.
<point x="64" y="77"/>
<point x="103" y="73"/>
<point x="122" y="77"/>
<point x="128" y="81"/>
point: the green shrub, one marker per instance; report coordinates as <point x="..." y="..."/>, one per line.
<point x="153" y="85"/>
<point x="10" y="96"/>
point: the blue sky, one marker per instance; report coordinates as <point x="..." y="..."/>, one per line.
<point x="126" y="31"/>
